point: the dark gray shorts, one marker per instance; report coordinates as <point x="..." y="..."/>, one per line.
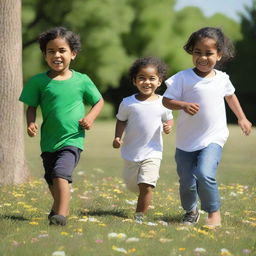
<point x="61" y="163"/>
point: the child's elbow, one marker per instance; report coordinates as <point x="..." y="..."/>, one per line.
<point x="101" y="101"/>
<point x="165" y="102"/>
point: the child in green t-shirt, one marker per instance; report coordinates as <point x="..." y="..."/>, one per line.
<point x="61" y="94"/>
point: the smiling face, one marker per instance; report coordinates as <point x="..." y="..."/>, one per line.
<point x="205" y="56"/>
<point x="147" y="81"/>
<point x="58" y="56"/>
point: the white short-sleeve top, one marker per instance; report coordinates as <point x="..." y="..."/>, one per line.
<point x="143" y="132"/>
<point x="209" y="125"/>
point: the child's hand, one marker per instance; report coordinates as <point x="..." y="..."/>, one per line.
<point x="86" y="123"/>
<point x="191" y="108"/>
<point x="167" y="128"/>
<point x="117" y="142"/>
<point x="32" y="129"/>
<point x="245" y="125"/>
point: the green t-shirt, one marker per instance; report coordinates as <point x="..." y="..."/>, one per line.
<point x="62" y="106"/>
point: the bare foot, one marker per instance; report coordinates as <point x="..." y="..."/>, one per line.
<point x="214" y="219"/>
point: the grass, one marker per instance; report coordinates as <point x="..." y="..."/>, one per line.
<point x="101" y="214"/>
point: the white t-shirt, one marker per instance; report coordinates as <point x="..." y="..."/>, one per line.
<point x="209" y="124"/>
<point x="143" y="131"/>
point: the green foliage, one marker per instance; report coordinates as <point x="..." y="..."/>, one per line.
<point x="183" y="27"/>
<point x="101" y="205"/>
<point x="33" y="61"/>
<point x="100" y="25"/>
<point x="245" y="61"/>
<point x="242" y="68"/>
<point x="229" y="26"/>
<point x="115" y="33"/>
<point x="151" y="28"/>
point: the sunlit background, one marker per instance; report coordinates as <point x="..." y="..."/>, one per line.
<point x="115" y="33"/>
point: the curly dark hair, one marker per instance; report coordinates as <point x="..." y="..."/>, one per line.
<point x="223" y="44"/>
<point x="148" y="61"/>
<point x="72" y="39"/>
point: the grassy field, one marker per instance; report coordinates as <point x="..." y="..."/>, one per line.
<point x="101" y="220"/>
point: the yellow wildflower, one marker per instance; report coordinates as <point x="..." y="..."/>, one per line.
<point x="64" y="233"/>
<point x="33" y="223"/>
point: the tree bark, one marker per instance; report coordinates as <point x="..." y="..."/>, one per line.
<point x="13" y="169"/>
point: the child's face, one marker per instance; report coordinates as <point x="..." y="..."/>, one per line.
<point x="205" y="56"/>
<point x="58" y="55"/>
<point x="147" y="81"/>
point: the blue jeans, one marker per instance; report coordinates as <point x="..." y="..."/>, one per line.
<point x="197" y="173"/>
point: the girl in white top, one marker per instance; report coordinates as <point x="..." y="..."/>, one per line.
<point x="143" y="118"/>
<point x="199" y="94"/>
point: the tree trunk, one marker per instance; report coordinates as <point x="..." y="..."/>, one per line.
<point x="13" y="168"/>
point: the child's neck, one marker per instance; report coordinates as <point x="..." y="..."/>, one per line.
<point x="205" y="74"/>
<point x="60" y="75"/>
<point x="143" y="97"/>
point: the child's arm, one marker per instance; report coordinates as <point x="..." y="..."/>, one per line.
<point x="167" y="125"/>
<point x="87" y="121"/>
<point x="188" y="107"/>
<point x="120" y="126"/>
<point x="31" y="118"/>
<point x="235" y="106"/>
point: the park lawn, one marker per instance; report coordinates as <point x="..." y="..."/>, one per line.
<point x="101" y="213"/>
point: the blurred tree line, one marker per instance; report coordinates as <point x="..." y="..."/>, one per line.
<point x="116" y="32"/>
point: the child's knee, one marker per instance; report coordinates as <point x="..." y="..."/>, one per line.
<point x="145" y="188"/>
<point x="205" y="178"/>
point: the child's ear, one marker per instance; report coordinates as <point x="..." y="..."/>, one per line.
<point x="73" y="55"/>
<point x="219" y="57"/>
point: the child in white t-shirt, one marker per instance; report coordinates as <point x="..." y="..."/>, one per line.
<point x="202" y="130"/>
<point x="143" y="118"/>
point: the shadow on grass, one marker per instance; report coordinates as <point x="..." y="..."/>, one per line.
<point x="13" y="217"/>
<point x="99" y="212"/>
<point x="174" y="219"/>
